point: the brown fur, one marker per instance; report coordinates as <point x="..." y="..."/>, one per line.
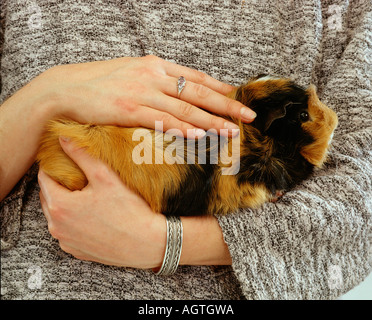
<point x="324" y="121"/>
<point x="158" y="182"/>
<point x="113" y="145"/>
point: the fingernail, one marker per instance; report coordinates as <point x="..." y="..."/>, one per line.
<point x="40" y="175"/>
<point x="230" y="125"/>
<point x="200" y="133"/>
<point x="232" y="129"/>
<point x="247" y="114"/>
<point x="64" y="139"/>
<point x="235" y="132"/>
<point x="195" y="133"/>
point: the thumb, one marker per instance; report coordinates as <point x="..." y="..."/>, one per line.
<point x="95" y="170"/>
<point x="50" y="188"/>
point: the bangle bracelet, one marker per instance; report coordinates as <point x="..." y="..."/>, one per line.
<point x="173" y="248"/>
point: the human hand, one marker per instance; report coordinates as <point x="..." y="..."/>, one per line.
<point x="104" y="222"/>
<point x="107" y="223"/>
<point x="137" y="91"/>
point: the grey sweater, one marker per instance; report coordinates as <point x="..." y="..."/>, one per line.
<point x="315" y="243"/>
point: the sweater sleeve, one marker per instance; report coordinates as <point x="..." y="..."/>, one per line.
<point x="2" y="22"/>
<point x="316" y="242"/>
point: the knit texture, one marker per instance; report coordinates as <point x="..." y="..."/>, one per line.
<point x="315" y="243"/>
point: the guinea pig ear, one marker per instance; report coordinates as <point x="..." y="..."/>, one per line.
<point x="270" y="114"/>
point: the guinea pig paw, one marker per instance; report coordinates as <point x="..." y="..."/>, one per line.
<point x="275" y="197"/>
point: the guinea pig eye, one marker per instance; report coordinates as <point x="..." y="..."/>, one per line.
<point x="304" y="116"/>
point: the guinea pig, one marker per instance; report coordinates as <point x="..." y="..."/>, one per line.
<point x="280" y="148"/>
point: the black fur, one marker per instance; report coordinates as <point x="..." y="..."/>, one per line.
<point x="273" y="156"/>
<point x="278" y="165"/>
<point x="192" y="197"/>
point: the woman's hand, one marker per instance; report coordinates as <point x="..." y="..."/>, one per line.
<point x="137" y="91"/>
<point x="123" y="91"/>
<point x="108" y="223"/>
<point x="105" y="222"/>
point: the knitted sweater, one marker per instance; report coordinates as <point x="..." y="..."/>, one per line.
<point x="314" y="243"/>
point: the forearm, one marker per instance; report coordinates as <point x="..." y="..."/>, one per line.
<point x="203" y="242"/>
<point x="22" y="119"/>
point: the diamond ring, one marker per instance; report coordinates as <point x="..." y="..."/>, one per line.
<point x="180" y="85"/>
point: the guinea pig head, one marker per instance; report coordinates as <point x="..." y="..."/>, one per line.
<point x="321" y="125"/>
<point x="292" y="119"/>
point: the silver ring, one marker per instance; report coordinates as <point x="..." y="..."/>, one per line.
<point x="181" y="83"/>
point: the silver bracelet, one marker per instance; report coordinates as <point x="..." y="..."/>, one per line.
<point x="174" y="246"/>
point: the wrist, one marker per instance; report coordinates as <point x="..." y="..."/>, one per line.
<point x="173" y="247"/>
<point x="50" y="97"/>
<point x="158" y="240"/>
<point x="23" y="117"/>
<point x="203" y="242"/>
<point x="39" y="97"/>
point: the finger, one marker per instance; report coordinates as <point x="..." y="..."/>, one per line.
<point x="81" y="255"/>
<point x="95" y="170"/>
<point x="176" y="70"/>
<point x="189" y="113"/>
<point x="78" y="254"/>
<point x="44" y="207"/>
<point x="49" y="188"/>
<point x="147" y="116"/>
<point x="208" y="99"/>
